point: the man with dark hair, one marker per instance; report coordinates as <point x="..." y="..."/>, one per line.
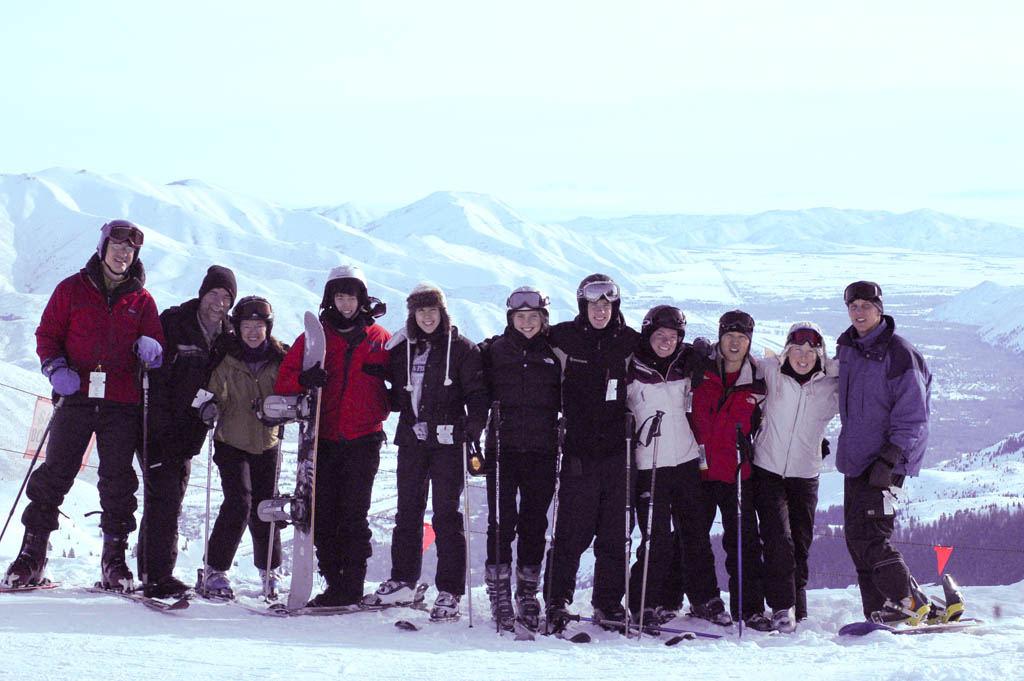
<point x="198" y="336"/>
<point x="99" y="326"/>
<point x="884" y="393"/>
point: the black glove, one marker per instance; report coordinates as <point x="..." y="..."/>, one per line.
<point x="825" y="451"/>
<point x="880" y="473"/>
<point x="376" y="370"/>
<point x="703" y="346"/>
<point x="313" y="377"/>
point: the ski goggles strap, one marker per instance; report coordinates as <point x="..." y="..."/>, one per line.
<point x="801" y="336"/>
<point x="596" y="290"/>
<point x="253" y="308"/>
<point x="532" y="300"/>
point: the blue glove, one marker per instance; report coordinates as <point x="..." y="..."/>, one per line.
<point x="149" y="351"/>
<point x="65" y="381"/>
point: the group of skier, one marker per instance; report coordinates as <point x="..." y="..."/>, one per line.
<point x="615" y="427"/>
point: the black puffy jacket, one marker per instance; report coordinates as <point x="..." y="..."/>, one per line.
<point x="594" y="406"/>
<point x="174" y="424"/>
<point x="524" y="376"/>
<point x="439" y="404"/>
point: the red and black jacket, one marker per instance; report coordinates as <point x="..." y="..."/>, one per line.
<point x="96" y="329"/>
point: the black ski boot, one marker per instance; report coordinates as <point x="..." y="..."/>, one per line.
<point x="527" y="605"/>
<point x="498" y="579"/>
<point x="116" y="575"/>
<point x="909" y="610"/>
<point x="612" y="618"/>
<point x="557" y="616"/>
<point x="167" y="586"/>
<point x="27" y="568"/>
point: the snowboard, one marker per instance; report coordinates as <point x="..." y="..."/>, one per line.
<point x="302" y="501"/>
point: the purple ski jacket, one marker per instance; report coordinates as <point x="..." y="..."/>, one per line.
<point x="884" y="391"/>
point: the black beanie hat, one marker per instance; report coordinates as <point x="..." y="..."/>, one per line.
<point x="219" y="277"/>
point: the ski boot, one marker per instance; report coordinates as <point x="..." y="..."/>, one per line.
<point x="498" y="579"/>
<point x="27" y="568"/>
<point x="446" y="607"/>
<point x="168" y="586"/>
<point x="270" y="583"/>
<point x="527" y="605"/>
<point x="713" y="611"/>
<point x="954" y="600"/>
<point x="757" y="622"/>
<point x="557" y="617"/>
<point x="116" y="575"/>
<point x="214" y="584"/>
<point x="784" y="620"/>
<point x="910" y="610"/>
<point x="612" y="618"/>
<point x="393" y="592"/>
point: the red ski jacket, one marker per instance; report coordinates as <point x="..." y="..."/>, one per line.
<point x="96" y="331"/>
<point x="720" y="403"/>
<point x="355" y="401"/>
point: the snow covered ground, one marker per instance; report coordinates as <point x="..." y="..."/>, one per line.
<point x="68" y="634"/>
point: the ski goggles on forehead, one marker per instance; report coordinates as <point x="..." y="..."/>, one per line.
<point x="596" y="290"/>
<point x="801" y="336"/>
<point x="862" y="290"/>
<point x="253" y="308"/>
<point x="736" y="320"/>
<point x="532" y="300"/>
<point x="126" y="232"/>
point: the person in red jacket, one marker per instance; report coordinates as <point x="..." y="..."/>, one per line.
<point x="353" y="406"/>
<point x="97" y="329"/>
<point x="729" y="397"/>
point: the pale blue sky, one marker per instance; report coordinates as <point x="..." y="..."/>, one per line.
<point x="558" y="108"/>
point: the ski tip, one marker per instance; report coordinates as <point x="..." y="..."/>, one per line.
<point x="675" y="640"/>
<point x="405" y="625"/>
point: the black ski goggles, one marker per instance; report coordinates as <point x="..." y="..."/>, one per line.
<point x="736" y="321"/>
<point x="596" y="290"/>
<point x="256" y="308"/>
<point x="122" y="230"/>
<point x="809" y="336"/>
<point x="530" y="300"/>
<point x="862" y="290"/>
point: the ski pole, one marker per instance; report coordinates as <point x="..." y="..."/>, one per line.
<point x="630" y="425"/>
<point x="144" y="573"/>
<point x="206" y="537"/>
<point x="739" y="525"/>
<point x="496" y="422"/>
<point x="465" y="528"/>
<point x="655" y="434"/>
<point x="32" y="464"/>
<point x="273" y="524"/>
<point x="549" y="552"/>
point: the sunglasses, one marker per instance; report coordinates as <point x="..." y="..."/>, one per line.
<point x="126" y="232"/>
<point x="532" y="300"/>
<point x="801" y="336"/>
<point x="862" y="290"/>
<point x="596" y="290"/>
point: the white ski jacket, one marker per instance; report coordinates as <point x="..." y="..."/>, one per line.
<point x="795" y="417"/>
<point x="647" y="391"/>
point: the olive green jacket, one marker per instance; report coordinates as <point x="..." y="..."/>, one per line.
<point x="237" y="390"/>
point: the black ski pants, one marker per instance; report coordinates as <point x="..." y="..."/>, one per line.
<point x="591" y="508"/>
<point x="721" y="496"/>
<point x="677" y="500"/>
<point x="165" y="481"/>
<point x="531" y="476"/>
<point x="345" y="471"/>
<point x="117" y="426"/>
<point x="247" y="479"/>
<point x="869" y="517"/>
<point x="785" y="513"/>
<point x="437" y="469"/>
